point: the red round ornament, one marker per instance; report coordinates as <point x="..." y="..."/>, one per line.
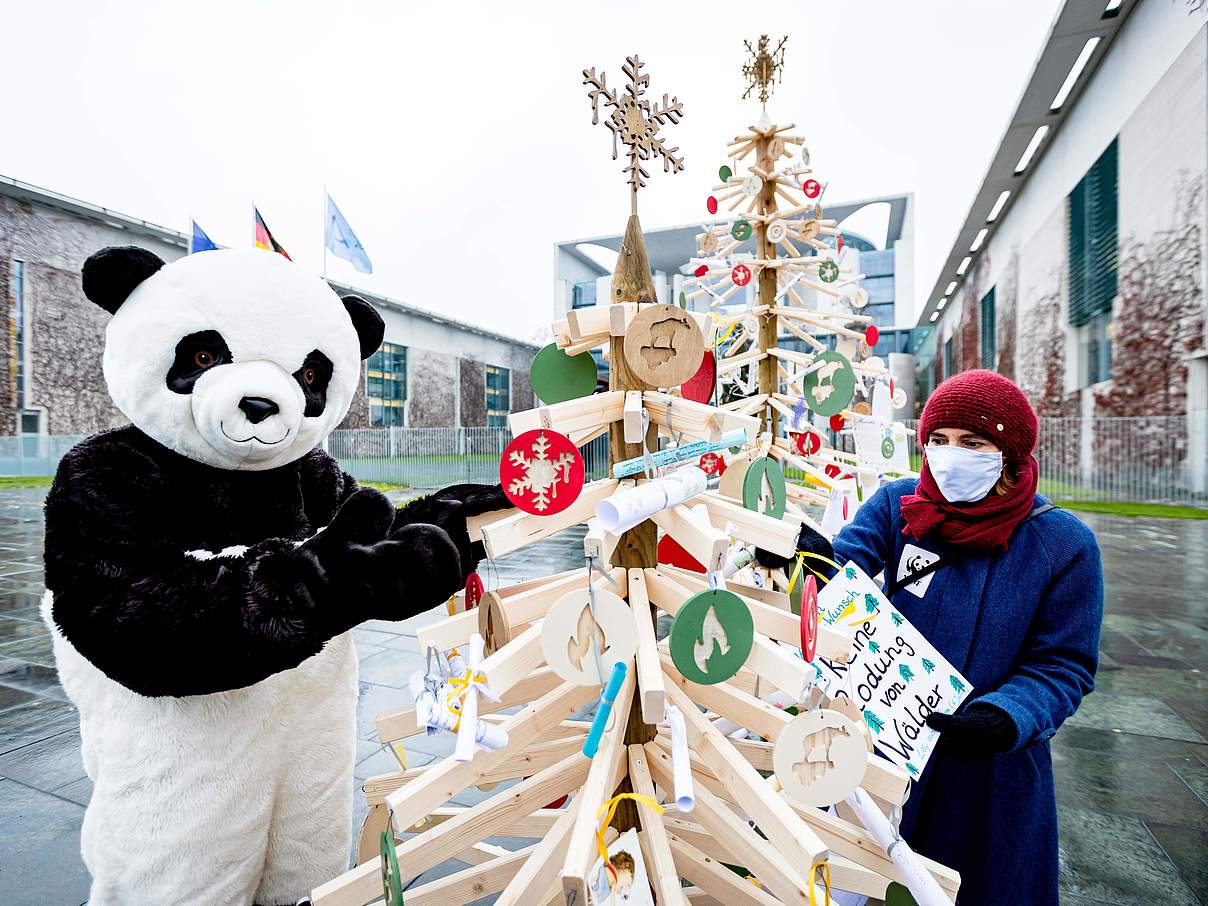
<point x="699" y="387"/>
<point x="711" y="204"/>
<point x="672" y="553"/>
<point x="808" y="443"/>
<point x="541" y="472"/>
<point x="701" y="270"/>
<point x="809" y="619"/>
<point x="741" y="275"/>
<point x="831" y="470"/>
<point x="712" y="464"/>
<point x="872" y="333"/>
<point x="839" y="243"/>
<point x="836" y="422"/>
<point x="474" y="590"/>
<point x="812" y="188"/>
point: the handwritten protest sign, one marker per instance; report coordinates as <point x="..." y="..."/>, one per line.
<point x="881" y="445"/>
<point x="894" y="675"/>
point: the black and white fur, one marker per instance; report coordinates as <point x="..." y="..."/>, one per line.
<point x="204" y="566"/>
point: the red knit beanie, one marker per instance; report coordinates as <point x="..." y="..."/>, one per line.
<point x="985" y="403"/>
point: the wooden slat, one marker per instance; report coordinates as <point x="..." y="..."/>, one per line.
<point x="660" y="865"/>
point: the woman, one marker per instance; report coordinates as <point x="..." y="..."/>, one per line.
<point x="1015" y="604"/>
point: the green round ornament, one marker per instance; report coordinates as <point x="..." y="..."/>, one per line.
<point x="683" y="299"/>
<point x="830" y="389"/>
<point x="711" y="636"/>
<point x="724" y="173"/>
<point x="392" y="882"/>
<point x="763" y="488"/>
<point x="741" y="230"/>
<point x="887" y="448"/>
<point x="897" y="895"/>
<point x="558" y="377"/>
<point x="828" y="272"/>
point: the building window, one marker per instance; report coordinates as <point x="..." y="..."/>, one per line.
<point x="989" y="350"/>
<point x="583" y="295"/>
<point x="1094" y="248"/>
<point x="16" y="324"/>
<point x="1097" y="349"/>
<point x="949" y="357"/>
<point x="386" y="386"/>
<point x="499" y="396"/>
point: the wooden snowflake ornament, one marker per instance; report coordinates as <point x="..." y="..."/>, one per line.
<point x="541" y="472"/>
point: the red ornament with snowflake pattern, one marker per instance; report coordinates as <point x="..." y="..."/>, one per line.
<point x="541" y="472"/>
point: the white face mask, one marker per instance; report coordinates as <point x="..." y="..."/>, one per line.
<point x="963" y="476"/>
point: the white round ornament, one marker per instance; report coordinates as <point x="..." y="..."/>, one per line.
<point x="820" y="757"/>
<point x="899" y="397"/>
<point x="777" y="231"/>
<point x="752" y="185"/>
<point x="569" y="633"/>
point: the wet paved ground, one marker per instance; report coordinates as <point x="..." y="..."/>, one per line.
<point x="1132" y="765"/>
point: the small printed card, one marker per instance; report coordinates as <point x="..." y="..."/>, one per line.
<point x="895" y="675"/>
<point x="631" y="885"/>
<point x="881" y="445"/>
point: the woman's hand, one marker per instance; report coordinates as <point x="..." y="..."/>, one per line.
<point x="975" y="731"/>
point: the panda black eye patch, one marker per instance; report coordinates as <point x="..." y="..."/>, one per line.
<point x="195" y="355"/>
<point x="313" y="377"/>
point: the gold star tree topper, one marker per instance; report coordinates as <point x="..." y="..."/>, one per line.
<point x="635" y="122"/>
<point x="765" y="67"/>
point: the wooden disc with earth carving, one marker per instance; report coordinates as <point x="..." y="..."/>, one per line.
<point x="711" y="636"/>
<point x="663" y="345"/>
<point x="820" y="757"/>
<point x="570" y="636"/>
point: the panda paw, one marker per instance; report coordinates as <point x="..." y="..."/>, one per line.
<point x="416" y="568"/>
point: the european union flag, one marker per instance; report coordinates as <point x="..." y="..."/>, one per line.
<point x="200" y="241"/>
<point x="343" y="242"/>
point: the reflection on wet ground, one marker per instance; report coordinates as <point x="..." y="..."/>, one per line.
<point x="1132" y="765"/>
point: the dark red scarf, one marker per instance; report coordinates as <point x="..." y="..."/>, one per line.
<point x="984" y="525"/>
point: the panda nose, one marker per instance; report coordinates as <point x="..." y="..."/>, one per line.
<point x="257" y="408"/>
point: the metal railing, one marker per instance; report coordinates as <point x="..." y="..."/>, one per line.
<point x="1140" y="459"/>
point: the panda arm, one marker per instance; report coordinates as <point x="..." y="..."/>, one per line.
<point x="325" y="486"/>
<point x="161" y="622"/>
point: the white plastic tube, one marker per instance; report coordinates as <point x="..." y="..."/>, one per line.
<point x="918" y="880"/>
<point x="681" y="767"/>
<point x="625" y="509"/>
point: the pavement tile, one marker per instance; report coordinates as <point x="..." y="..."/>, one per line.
<point x="1141" y="715"/>
<point x="1116" y="860"/>
<point x="36" y="678"/>
<point x="40" y="842"/>
<point x="1187" y="848"/>
<point x="46" y="765"/>
<point x="34" y="721"/>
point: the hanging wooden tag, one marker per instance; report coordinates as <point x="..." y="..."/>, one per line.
<point x="741" y="230"/>
<point x="557" y="377"/>
<point x="712" y="463"/>
<point x="809" y="616"/>
<point x="474" y="589"/>
<point x="733" y="475"/>
<point x="699" y="387"/>
<point x="392" y="882"/>
<point x="763" y="488"/>
<point x="740" y="274"/>
<point x="711" y="636"/>
<point x="830" y="389"/>
<point x="569" y="632"/>
<point x="541" y="472"/>
<point x="820" y="757"/>
<point x="663" y="345"/>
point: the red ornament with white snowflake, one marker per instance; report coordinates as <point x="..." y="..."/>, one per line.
<point x="541" y="472"/>
<point x="812" y="188"/>
<point x="808" y="443"/>
<point x="741" y="275"/>
<point x="809" y="613"/>
<point x="712" y="464"/>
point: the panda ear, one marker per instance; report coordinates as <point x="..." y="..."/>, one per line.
<point x="369" y="325"/>
<point x="111" y="274"/>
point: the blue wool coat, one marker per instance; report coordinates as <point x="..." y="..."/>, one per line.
<point x="1023" y="627"/>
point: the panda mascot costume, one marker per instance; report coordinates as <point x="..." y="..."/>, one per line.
<point x="204" y="567"/>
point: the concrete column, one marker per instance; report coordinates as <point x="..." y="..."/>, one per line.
<point x="1197" y="423"/>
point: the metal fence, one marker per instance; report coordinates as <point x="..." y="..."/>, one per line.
<point x="1143" y="459"/>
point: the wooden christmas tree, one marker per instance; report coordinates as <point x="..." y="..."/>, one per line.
<point x="649" y="799"/>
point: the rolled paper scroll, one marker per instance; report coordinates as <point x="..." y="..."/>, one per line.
<point x="681" y="767"/>
<point x="626" y="508"/>
<point x="918" y="880"/>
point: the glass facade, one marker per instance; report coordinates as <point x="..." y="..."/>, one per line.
<point x="583" y="295"/>
<point x="17" y="329"/>
<point x="498" y="396"/>
<point x="1097" y="349"/>
<point x="989" y="347"/>
<point x="877" y="267"/>
<point x="386" y="386"/>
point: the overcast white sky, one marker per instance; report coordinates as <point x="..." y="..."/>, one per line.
<point x="456" y="136"/>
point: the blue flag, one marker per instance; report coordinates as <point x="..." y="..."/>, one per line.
<point x="342" y="241"/>
<point x="200" y="241"/>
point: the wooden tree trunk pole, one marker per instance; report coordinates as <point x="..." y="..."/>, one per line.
<point x="769" y="381"/>
<point x="636" y="548"/>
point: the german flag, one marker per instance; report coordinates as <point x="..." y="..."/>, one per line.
<point x="265" y="240"/>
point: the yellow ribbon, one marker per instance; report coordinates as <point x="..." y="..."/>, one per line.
<point x="825" y="868"/>
<point x="461" y="685"/>
<point x="610" y="807"/>
<point x="801" y="555"/>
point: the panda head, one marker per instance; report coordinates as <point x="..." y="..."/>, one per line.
<point x="235" y="358"/>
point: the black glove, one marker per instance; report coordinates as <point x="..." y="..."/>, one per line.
<point x="809" y="540"/>
<point x="974" y="731"/>
<point x="449" y="509"/>
<point x="359" y="561"/>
